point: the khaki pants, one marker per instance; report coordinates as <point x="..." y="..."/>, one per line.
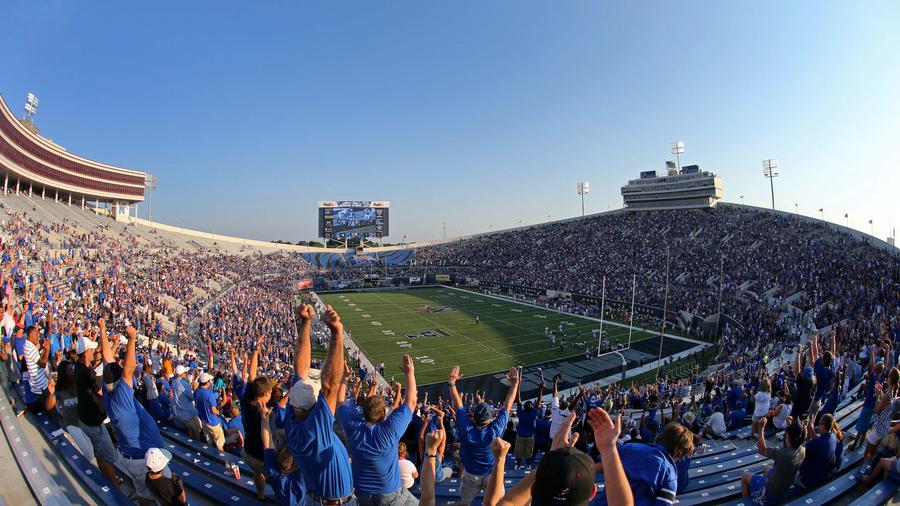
<point x="472" y="485"/>
<point x="214" y="435"/>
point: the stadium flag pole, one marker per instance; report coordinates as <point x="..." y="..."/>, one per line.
<point x="662" y="328"/>
<point x="602" y="307"/>
<point x="631" y="316"/>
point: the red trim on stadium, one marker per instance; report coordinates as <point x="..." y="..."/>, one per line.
<point x="34" y="162"/>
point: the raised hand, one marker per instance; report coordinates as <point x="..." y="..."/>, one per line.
<point x="304" y="313"/>
<point x="130" y="332"/>
<point x="332" y="320"/>
<point x="564" y="437"/>
<point x="454" y="374"/>
<point x="605" y="431"/>
<point x="433" y="440"/>
<point x="513" y="376"/>
<point x="407" y="366"/>
<point x="500" y="447"/>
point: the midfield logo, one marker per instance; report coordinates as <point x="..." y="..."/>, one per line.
<point x="426" y="333"/>
<point x="435" y="309"/>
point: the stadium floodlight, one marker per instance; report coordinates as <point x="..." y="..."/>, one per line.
<point x="770" y="170"/>
<point x="150" y="183"/>
<point x="31" y="103"/>
<point x="677" y="150"/>
<point x="584" y="188"/>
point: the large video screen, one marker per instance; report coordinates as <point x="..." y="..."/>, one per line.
<point x="349" y="219"/>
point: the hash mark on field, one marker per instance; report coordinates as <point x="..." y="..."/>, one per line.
<point x="351" y="304"/>
<point x="496" y="305"/>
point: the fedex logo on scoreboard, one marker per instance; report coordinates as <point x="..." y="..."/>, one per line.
<point x="354" y="203"/>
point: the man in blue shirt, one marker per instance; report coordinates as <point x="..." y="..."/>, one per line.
<point x="205" y="400"/>
<point x="820" y="453"/>
<point x="824" y="370"/>
<point x="373" y="437"/>
<point x="867" y="413"/>
<point x="135" y="427"/>
<point x="310" y="428"/>
<point x="527" y="413"/>
<point x="651" y="468"/>
<point x="736" y="417"/>
<point x="476" y="435"/>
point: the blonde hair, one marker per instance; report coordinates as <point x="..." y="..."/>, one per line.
<point x="765" y="386"/>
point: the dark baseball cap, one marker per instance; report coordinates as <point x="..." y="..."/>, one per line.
<point x="481" y="413"/>
<point x="564" y="477"/>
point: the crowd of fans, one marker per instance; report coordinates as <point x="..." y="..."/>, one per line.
<point x="112" y="336"/>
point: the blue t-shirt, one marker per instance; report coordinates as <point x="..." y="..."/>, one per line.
<point x="288" y="489"/>
<point x="527" y="422"/>
<point x="736" y="418"/>
<point x="319" y="453"/>
<point x="136" y="429"/>
<point x="651" y="472"/>
<point x="542" y="432"/>
<point x="238" y="423"/>
<point x="205" y="400"/>
<point x="870" y="399"/>
<point x="824" y="376"/>
<point x="374" y="448"/>
<point x="238" y="386"/>
<point x="818" y="461"/>
<point x="475" y="448"/>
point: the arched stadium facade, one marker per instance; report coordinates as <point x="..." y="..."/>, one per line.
<point x="32" y="164"/>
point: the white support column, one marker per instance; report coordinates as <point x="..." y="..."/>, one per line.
<point x="82" y="202"/>
<point x="17" y="186"/>
<point x="5" y="184"/>
<point x="43" y="193"/>
<point x="56" y="196"/>
<point x="70" y="200"/>
<point x="30" y="189"/>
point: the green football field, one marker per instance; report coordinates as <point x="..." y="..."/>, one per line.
<point x="436" y="326"/>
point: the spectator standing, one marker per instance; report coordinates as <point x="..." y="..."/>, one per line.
<point x="477" y="433"/>
<point x="205" y="401"/>
<point x="373" y="438"/>
<point x="135" y="428"/>
<point x="91" y="412"/>
<point x="310" y="430"/>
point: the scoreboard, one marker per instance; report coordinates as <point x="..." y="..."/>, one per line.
<point x="350" y="219"/>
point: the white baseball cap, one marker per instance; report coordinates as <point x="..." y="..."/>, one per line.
<point x="205" y="377"/>
<point x="180" y="369"/>
<point x="157" y="459"/>
<point x="305" y="392"/>
<point x="83" y="344"/>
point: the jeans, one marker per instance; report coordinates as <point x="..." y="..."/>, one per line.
<point x="401" y="497"/>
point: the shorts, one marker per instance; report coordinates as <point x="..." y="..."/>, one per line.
<point x="82" y="441"/>
<point x="257" y="465"/>
<point x="214" y="435"/>
<point x="524" y="447"/>
<point x="103" y="446"/>
<point x="864" y="422"/>
<point x="471" y="485"/>
<point x="873" y="438"/>
<point x="136" y="469"/>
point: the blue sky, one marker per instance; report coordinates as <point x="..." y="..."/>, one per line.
<point x="477" y="114"/>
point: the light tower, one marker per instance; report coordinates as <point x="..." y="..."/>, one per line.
<point x="677" y="150"/>
<point x="150" y="183"/>
<point x="31" y="103"/>
<point x="584" y="188"/>
<point x="770" y="170"/>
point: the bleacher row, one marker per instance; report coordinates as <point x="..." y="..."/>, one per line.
<point x="715" y="471"/>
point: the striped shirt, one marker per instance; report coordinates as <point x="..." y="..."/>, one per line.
<point x="38" y="374"/>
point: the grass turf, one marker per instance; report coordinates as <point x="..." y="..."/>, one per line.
<point x="388" y="324"/>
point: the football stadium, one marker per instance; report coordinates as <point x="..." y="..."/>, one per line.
<point x="679" y="345"/>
